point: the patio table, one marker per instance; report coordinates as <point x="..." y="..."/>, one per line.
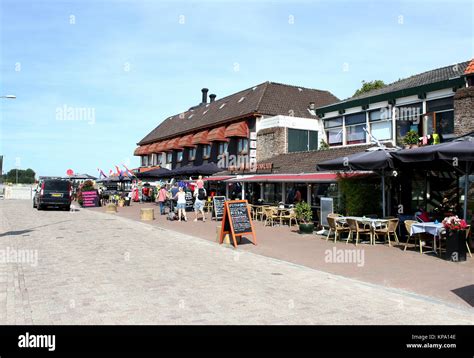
<point x="431" y="228"/>
<point x="373" y="223"/>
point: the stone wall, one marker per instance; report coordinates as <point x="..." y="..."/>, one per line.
<point x="464" y="111"/>
<point x="271" y="142"/>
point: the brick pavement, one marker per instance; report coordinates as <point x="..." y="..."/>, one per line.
<point x="96" y="268"/>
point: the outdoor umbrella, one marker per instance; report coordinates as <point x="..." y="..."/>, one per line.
<point x="207" y="169"/>
<point x="458" y="155"/>
<point x="375" y="160"/>
<point x="155" y="173"/>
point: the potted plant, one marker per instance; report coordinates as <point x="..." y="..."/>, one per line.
<point x="411" y="139"/>
<point x="304" y="215"/>
<point x="456" y="248"/>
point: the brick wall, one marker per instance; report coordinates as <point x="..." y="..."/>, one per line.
<point x="464" y="111"/>
<point x="271" y="142"/>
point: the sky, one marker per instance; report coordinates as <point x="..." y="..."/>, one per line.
<point x="92" y="78"/>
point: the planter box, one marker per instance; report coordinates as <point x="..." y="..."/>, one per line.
<point x="456" y="249"/>
<point x="306" y="228"/>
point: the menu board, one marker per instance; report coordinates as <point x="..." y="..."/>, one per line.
<point x="90" y="199"/>
<point x="218" y="207"/>
<point x="237" y="221"/>
<point x="189" y="200"/>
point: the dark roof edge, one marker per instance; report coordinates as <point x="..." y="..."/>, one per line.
<point x="214" y="125"/>
<point x="454" y="83"/>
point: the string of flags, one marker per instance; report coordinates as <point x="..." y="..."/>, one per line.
<point x="118" y="172"/>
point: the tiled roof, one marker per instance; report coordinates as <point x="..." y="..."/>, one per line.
<point x="470" y="68"/>
<point x="305" y="162"/>
<point x="267" y="98"/>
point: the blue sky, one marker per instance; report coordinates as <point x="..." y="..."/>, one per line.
<point x="134" y="63"/>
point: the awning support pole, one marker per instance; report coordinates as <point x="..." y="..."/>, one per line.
<point x="383" y="193"/>
<point x="466" y="189"/>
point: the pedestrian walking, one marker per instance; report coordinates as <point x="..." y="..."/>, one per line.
<point x="162" y="194"/>
<point x="200" y="197"/>
<point x="181" y="203"/>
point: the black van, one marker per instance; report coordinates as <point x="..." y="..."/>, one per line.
<point x="53" y="192"/>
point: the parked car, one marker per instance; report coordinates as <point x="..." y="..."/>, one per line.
<point x="53" y="192"/>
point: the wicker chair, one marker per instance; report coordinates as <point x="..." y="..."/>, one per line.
<point x="354" y="227"/>
<point x="417" y="237"/>
<point x="390" y="228"/>
<point x="335" y="227"/>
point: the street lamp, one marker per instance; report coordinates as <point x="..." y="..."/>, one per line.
<point x="9" y="96"/>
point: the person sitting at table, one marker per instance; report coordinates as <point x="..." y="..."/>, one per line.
<point x="423" y="215"/>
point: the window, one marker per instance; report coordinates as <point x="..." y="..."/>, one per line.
<point x="222" y="147"/>
<point x="144" y="160"/>
<point x="153" y="159"/>
<point x="206" y="151"/>
<point x="243" y="145"/>
<point x="334" y="122"/>
<point x="334" y="131"/>
<point x="302" y="140"/>
<point x="444" y="115"/>
<point x="192" y="154"/>
<point x="381" y="130"/>
<point x="334" y="136"/>
<point x="380" y="127"/>
<point x="169" y="157"/>
<point x="407" y="118"/>
<point x="159" y="158"/>
<point x="179" y="156"/>
<point x="355" y="124"/>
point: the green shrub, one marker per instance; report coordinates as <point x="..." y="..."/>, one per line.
<point x="304" y="212"/>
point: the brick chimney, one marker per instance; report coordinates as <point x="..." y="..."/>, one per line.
<point x="464" y="111"/>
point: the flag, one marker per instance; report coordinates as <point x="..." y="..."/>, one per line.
<point x="111" y="173"/>
<point x="128" y="171"/>
<point x="119" y="173"/>
<point x="101" y="173"/>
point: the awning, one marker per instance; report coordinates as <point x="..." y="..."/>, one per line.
<point x="142" y="150"/>
<point x="156" y="147"/>
<point x="239" y="129"/>
<point x="200" y="138"/>
<point x="219" y="178"/>
<point x="138" y="151"/>
<point x="290" y="178"/>
<point x="217" y="135"/>
<point x="172" y="144"/>
<point x="186" y="141"/>
<point x="368" y="160"/>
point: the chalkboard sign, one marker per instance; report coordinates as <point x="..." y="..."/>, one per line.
<point x="218" y="207"/>
<point x="237" y="221"/>
<point x="90" y="199"/>
<point x="189" y="200"/>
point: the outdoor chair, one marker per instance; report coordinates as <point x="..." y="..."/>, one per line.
<point x="389" y="228"/>
<point x="417" y="237"/>
<point x="270" y="216"/>
<point x="335" y="227"/>
<point x="354" y="227"/>
<point x="290" y="217"/>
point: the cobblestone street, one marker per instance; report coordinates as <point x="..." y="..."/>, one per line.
<point x="96" y="268"/>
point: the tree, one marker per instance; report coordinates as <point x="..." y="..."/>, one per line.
<point x="24" y="176"/>
<point x="369" y="86"/>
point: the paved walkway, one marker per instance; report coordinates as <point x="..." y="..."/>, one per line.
<point x="96" y="268"/>
<point x="426" y="274"/>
